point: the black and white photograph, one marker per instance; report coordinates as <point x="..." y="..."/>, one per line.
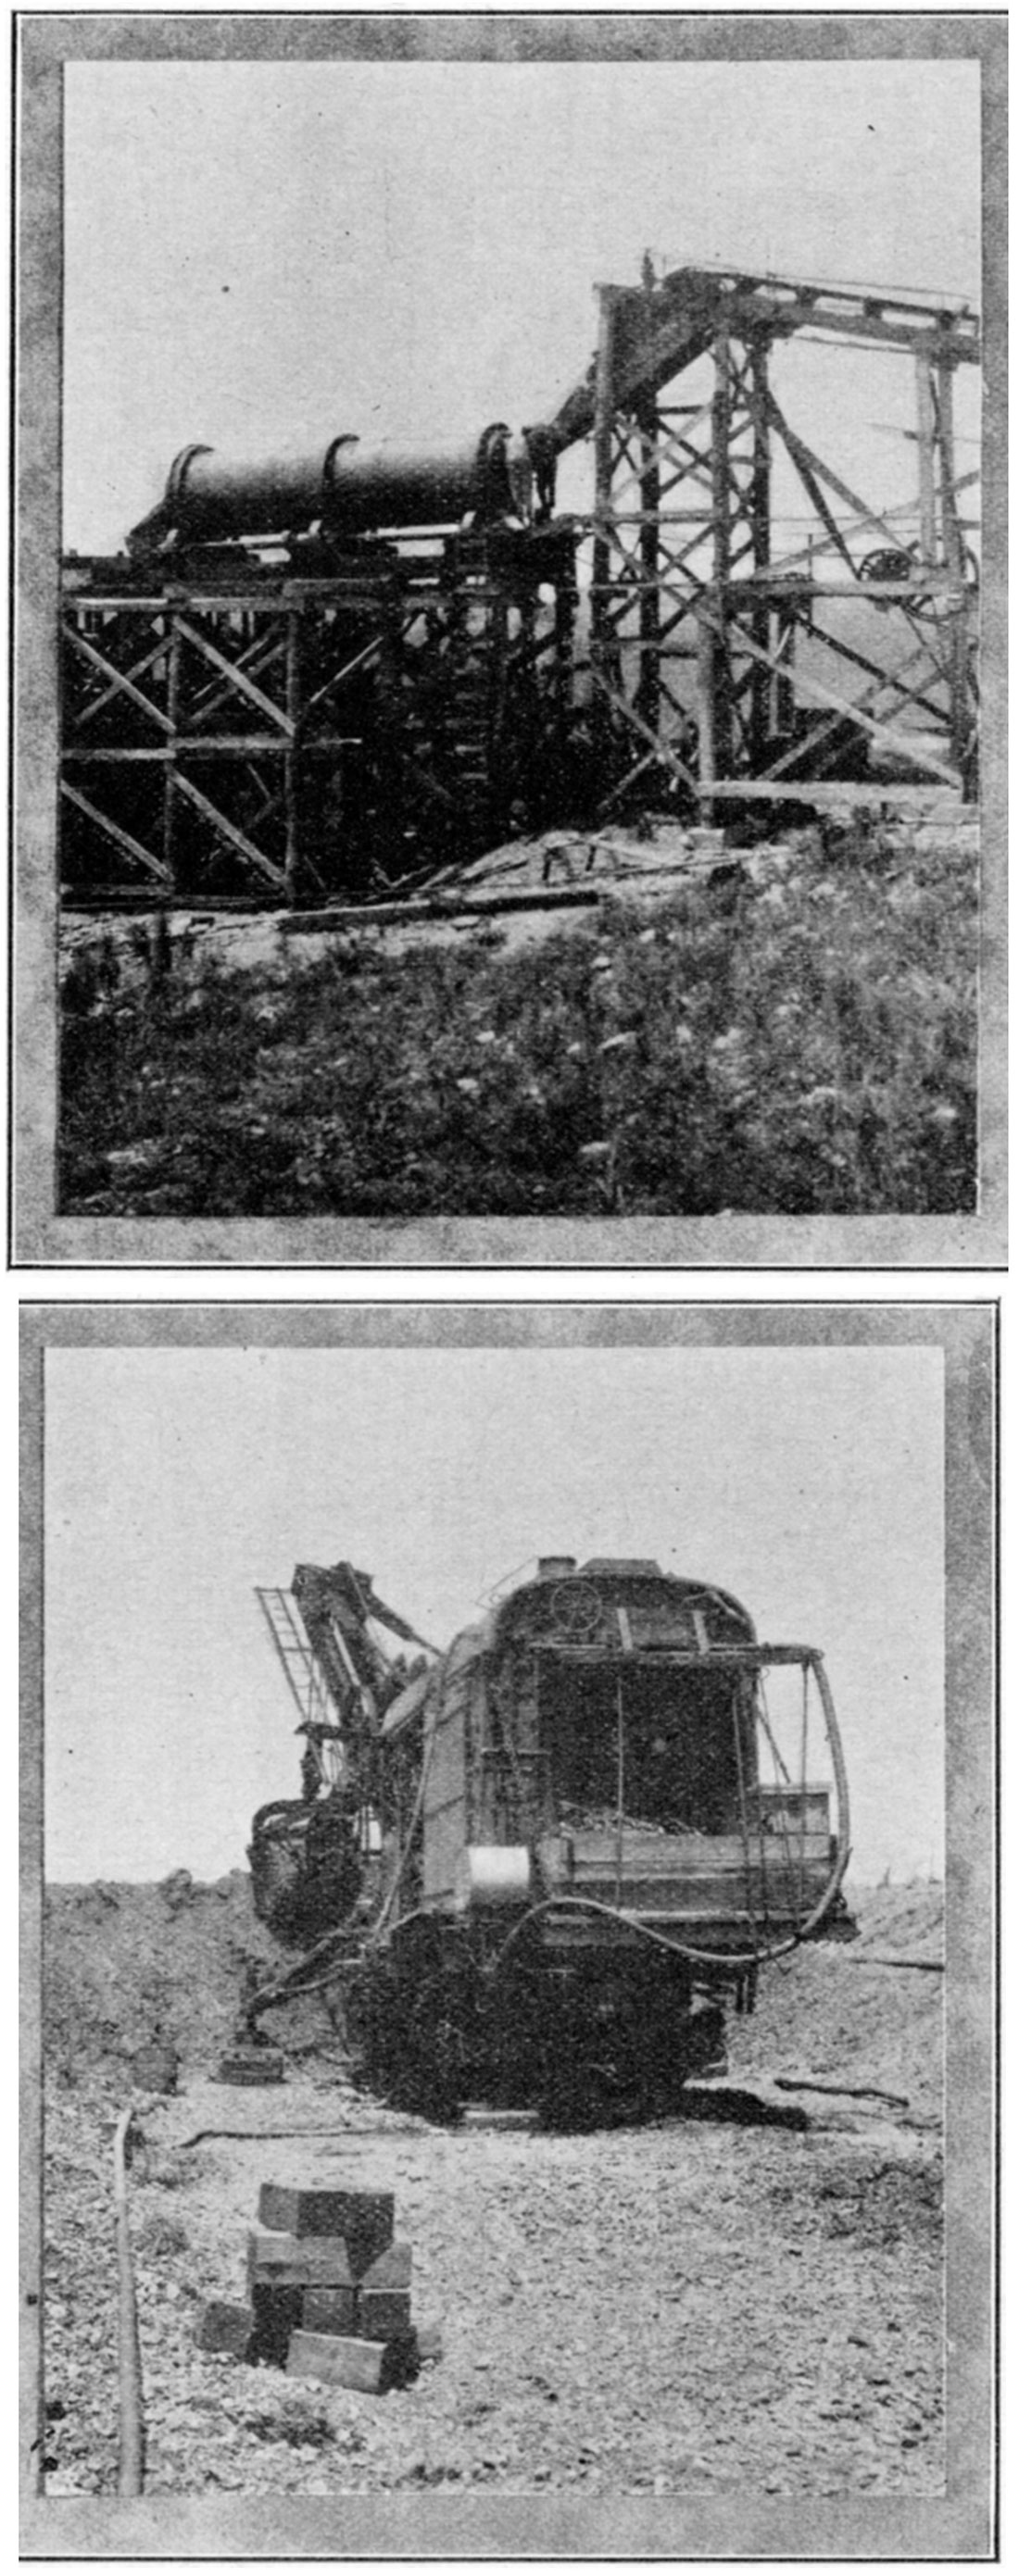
<point x="500" y="1780"/>
<point x="503" y="638"/>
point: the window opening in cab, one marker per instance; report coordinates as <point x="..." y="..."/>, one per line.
<point x="686" y="1762"/>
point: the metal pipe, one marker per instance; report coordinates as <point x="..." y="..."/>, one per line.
<point x="131" y="2474"/>
<point x="212" y="498"/>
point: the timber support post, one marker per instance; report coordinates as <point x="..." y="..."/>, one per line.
<point x="602" y="656"/>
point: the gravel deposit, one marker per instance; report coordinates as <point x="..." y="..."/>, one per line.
<point x="693" y="2305"/>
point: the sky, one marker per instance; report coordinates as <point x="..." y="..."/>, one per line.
<point x="260" y="255"/>
<point x="807" y="1481"/>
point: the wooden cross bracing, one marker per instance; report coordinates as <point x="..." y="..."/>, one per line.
<point x="708" y="640"/>
<point x="280" y="737"/>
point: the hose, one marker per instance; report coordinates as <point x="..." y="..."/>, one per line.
<point x="282" y="1986"/>
<point x="716" y="1959"/>
<point x="131" y="2472"/>
<point x="346" y="1931"/>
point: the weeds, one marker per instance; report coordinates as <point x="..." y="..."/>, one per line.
<point x="809" y="1048"/>
<point x="295" y="2420"/>
<point x="157" y="2237"/>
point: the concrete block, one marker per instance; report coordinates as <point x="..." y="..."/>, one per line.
<point x="349" y="2361"/>
<point x="228" y="2327"/>
<point x="479" y="2115"/>
<point x="382" y="2313"/>
<point x="250" y="2066"/>
<point x="291" y="2262"/>
<point x="330" y="2312"/>
<point x="363" y="2218"/>
<point x="277" y="2313"/>
<point x="390" y="2270"/>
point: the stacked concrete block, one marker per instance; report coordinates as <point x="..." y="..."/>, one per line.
<point x="248" y="2064"/>
<point x="329" y="2293"/>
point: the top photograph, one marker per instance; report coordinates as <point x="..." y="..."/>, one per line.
<point x="502" y="636"/>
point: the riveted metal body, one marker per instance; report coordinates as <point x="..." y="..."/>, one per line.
<point x="603" y="1808"/>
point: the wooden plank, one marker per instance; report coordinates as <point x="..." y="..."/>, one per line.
<point x="115" y="832"/>
<point x="255" y="661"/>
<point x="881" y="733"/>
<point x="825" y="792"/>
<point x="239" y="680"/>
<point x="218" y="746"/>
<point x="367" y="654"/>
<point x="813" y="741"/>
<point x="663" y="749"/>
<point x="882" y="679"/>
<point x="826" y="473"/>
<point x="231" y="832"/>
<point x="156" y="653"/>
<point x="925" y="441"/>
<point x="169" y="788"/>
<point x="290" y="770"/>
<point x="119" y="679"/>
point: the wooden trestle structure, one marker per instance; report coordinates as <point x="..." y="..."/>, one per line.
<point x="237" y="731"/>
<point x="685" y="569"/>
<point x="337" y="713"/>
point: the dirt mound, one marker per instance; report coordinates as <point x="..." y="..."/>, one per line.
<point x="840" y="2012"/>
<point x="127" y="1964"/>
<point x="783" y="2291"/>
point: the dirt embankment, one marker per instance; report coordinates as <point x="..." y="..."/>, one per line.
<point x="675" y="2308"/>
<point x="795" y="1031"/>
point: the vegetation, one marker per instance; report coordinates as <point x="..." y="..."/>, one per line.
<point x="800" y="1044"/>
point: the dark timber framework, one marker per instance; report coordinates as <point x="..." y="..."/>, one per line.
<point x="684" y="568"/>
<point x="334" y="716"/>
<point x="226" y="728"/>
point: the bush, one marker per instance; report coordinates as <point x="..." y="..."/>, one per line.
<point x="805" y="1048"/>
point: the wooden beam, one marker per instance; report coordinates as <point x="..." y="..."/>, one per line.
<point x="601" y="641"/>
<point x="118" y="679"/>
<point x="156" y="653"/>
<point x="662" y="750"/>
<point x="885" y="679"/>
<point x="115" y="832"/>
<point x="360" y="660"/>
<point x="925" y="447"/>
<point x="814" y="689"/>
<point x="239" y="679"/>
<point x="290" y="769"/>
<point x="231" y="832"/>
<point x="825" y="473"/>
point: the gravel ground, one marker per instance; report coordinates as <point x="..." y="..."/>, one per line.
<point x="676" y="2308"/>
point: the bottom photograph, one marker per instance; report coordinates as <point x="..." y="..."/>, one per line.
<point x="493" y="1997"/>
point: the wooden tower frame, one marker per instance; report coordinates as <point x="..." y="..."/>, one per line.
<point x="684" y="567"/>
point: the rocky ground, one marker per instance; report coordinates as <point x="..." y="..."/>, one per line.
<point x="688" y="2306"/>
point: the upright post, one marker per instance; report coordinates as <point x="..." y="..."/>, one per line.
<point x="170" y="768"/>
<point x="925" y="450"/>
<point x="565" y="614"/>
<point x="785" y="675"/>
<point x="707" y="706"/>
<point x="952" y="547"/>
<point x="721" y="434"/>
<point x="291" y="755"/>
<point x="649" y="690"/>
<point x="760" y="533"/>
<point x="497" y="713"/>
<point x="601" y="623"/>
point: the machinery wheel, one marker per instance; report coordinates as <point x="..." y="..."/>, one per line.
<point x="429" y="2045"/>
